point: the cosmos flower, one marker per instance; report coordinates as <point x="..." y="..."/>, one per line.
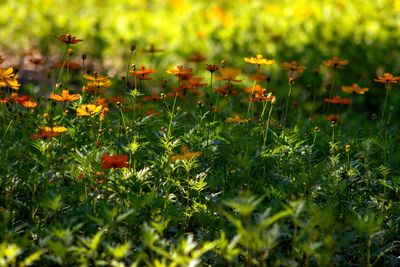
<point x="65" y="96"/>
<point x="87" y="110"/>
<point x="68" y="39"/>
<point x="115" y="161"/>
<point x="8" y="79"/>
<point x="46" y="132"/>
<point x="338" y="100"/>
<point x="229" y="74"/>
<point x="185" y="154"/>
<point x="387" y="78"/>
<point x="335" y="62"/>
<point x="259" y="60"/>
<point x="354" y="89"/>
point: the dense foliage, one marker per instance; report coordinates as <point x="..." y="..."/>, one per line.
<point x="246" y="142"/>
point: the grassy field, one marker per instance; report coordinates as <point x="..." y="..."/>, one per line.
<point x="190" y="133"/>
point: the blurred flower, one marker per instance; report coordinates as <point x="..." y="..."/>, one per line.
<point x="236" y="119"/>
<point x="259" y="60"/>
<point x="338" y="100"/>
<point x="179" y="70"/>
<point x="332" y="118"/>
<point x="70" y="65"/>
<point x="97" y="80"/>
<point x="36" y="61"/>
<point x="142" y="73"/>
<point x="293" y="67"/>
<point x="185" y="154"/>
<point x="88" y="110"/>
<point x="259" y="77"/>
<point x="229" y="74"/>
<point x="152" y="49"/>
<point x="65" y="96"/>
<point x="196" y="57"/>
<point x="347" y="148"/>
<point x="8" y="79"/>
<point x="68" y="39"/>
<point x="153" y="97"/>
<point x="354" y="89"/>
<point x="335" y="62"/>
<point x="29" y="104"/>
<point x="387" y="78"/>
<point x="46" y="132"/>
<point x="212" y="68"/>
<point x="115" y="161"/>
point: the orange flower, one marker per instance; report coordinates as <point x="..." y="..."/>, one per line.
<point x="229" y="74"/>
<point x="197" y="57"/>
<point x="88" y="110"/>
<point x="335" y="62"/>
<point x="293" y="67"/>
<point x="46" y="132"/>
<point x="259" y="60"/>
<point x="185" y="154"/>
<point x="387" y="78"/>
<point x="68" y="39"/>
<point x="332" y="118"/>
<point x="8" y="79"/>
<point x="142" y="73"/>
<point x="338" y="100"/>
<point x="70" y="65"/>
<point x="29" y="104"/>
<point x="65" y="96"/>
<point x="153" y="97"/>
<point x="115" y="161"/>
<point x="236" y="119"/>
<point x="354" y="89"/>
<point x="18" y="98"/>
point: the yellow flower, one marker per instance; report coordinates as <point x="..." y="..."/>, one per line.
<point x="237" y="119"/>
<point x="354" y="89"/>
<point x="259" y="60"/>
<point x="97" y="80"/>
<point x="88" y="110"/>
<point x="8" y="78"/>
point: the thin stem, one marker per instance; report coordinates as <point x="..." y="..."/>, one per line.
<point x="388" y="87"/>
<point x="287" y="103"/>
<point x="252" y="92"/>
<point x="332" y="86"/>
<point x="171" y="115"/>
<point x="267" y="128"/>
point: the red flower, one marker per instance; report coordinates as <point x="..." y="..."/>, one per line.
<point x="338" y="100"/>
<point x="115" y="161"/>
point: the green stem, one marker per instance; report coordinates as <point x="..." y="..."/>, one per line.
<point x="172" y="115"/>
<point x="388" y="87"/>
<point x="287" y="103"/>
<point x="252" y="92"/>
<point x="331" y="90"/>
<point x="267" y="128"/>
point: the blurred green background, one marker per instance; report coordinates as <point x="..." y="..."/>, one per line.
<point x="365" y="32"/>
